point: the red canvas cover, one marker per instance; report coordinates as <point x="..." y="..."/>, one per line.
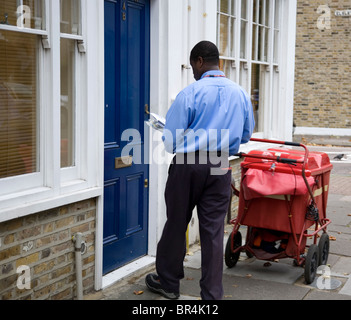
<point x="258" y="183"/>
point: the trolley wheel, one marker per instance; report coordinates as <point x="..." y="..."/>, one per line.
<point x="312" y="263"/>
<point x="232" y="258"/>
<point x="323" y="246"/>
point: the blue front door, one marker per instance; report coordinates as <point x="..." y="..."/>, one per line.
<point x="127" y="47"/>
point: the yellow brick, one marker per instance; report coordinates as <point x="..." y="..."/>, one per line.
<point x="64" y="222"/>
<point x="28" y="260"/>
<point x="10" y="252"/>
<point x="15" y="224"/>
<point x="64" y="295"/>
<point x="45" y="266"/>
<point x="89" y="259"/>
<point x="49" y="227"/>
<point x="44" y="291"/>
<point x="45" y="241"/>
<point x="62" y="271"/>
<point x="10" y="238"/>
<point x="63" y="211"/>
<point x="80" y="228"/>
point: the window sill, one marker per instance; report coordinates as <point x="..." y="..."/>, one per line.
<point x="39" y="32"/>
<point x="41" y="199"/>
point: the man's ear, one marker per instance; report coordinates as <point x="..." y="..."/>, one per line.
<point x="201" y="61"/>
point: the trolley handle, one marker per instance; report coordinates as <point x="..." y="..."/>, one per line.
<point x="287" y="161"/>
<point x="293" y="144"/>
<point x="278" y="159"/>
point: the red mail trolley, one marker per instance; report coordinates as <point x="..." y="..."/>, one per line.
<point x="282" y="201"/>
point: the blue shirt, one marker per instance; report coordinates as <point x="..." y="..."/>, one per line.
<point x="213" y="114"/>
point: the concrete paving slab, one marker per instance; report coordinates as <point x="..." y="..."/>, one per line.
<point x="342" y="244"/>
<point x="193" y="261"/>
<point x="325" y="295"/>
<point x="346" y="289"/>
<point x="239" y="288"/>
<point x="342" y="266"/>
<point x="339" y="229"/>
<point x="242" y="288"/>
<point x="346" y="198"/>
<point x="332" y="260"/>
<point x="269" y="271"/>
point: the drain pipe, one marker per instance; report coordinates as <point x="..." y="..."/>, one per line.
<point x="79" y="248"/>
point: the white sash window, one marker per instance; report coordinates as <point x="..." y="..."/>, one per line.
<point x="47" y="136"/>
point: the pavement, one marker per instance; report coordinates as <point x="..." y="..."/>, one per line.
<point x="253" y="279"/>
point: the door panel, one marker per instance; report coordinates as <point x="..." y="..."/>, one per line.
<point x="126" y="93"/>
<point x="111" y="193"/>
<point x="134" y="197"/>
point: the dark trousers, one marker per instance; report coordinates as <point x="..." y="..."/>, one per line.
<point x="189" y="185"/>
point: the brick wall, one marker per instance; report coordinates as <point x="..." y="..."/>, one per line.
<point x="43" y="242"/>
<point x="323" y="70"/>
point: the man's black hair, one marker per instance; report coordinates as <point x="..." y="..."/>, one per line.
<point x="207" y="50"/>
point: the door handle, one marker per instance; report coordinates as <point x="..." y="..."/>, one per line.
<point x="147" y="109"/>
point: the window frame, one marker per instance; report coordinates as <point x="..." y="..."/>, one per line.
<point x="231" y="16"/>
<point x="73" y="175"/>
<point x="35" y="179"/>
<point x="52" y="185"/>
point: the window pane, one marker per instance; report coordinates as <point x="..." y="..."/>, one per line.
<point x="224" y="6"/>
<point x="255" y="42"/>
<point x="18" y="104"/>
<point x="262" y="11"/>
<point x="263" y="44"/>
<point x="23" y="13"/>
<point x="67" y="103"/>
<point x="244" y="9"/>
<point x="227" y="67"/>
<point x="267" y="15"/>
<point x="233" y="8"/>
<point x="276" y="17"/>
<point x="71" y="17"/>
<point x="255" y="92"/>
<point x="256" y="6"/>
<point x="243" y="40"/>
<point x="276" y="46"/>
<point x="243" y="77"/>
<point x="266" y="45"/>
<point x="223" y="44"/>
<point x="232" y="35"/>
